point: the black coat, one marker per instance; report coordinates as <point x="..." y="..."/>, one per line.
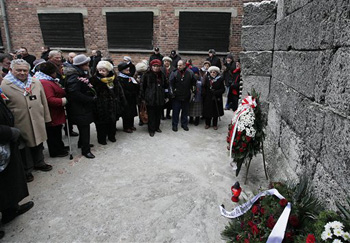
<point x="13" y="184"/>
<point x="181" y="84"/>
<point x="212" y="97"/>
<point x="156" y="56"/>
<point x="153" y="88"/>
<point x="228" y="73"/>
<point x="80" y="97"/>
<point x="131" y="92"/>
<point x="175" y="60"/>
<point x="214" y="61"/>
<point x="105" y="110"/>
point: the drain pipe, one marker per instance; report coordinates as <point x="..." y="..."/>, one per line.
<point x="6" y="27"/>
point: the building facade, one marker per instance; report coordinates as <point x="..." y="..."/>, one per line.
<point x="119" y="28"/>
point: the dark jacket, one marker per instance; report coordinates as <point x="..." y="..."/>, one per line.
<point x="233" y="93"/>
<point x="80" y="97"/>
<point x="94" y="64"/>
<point x="105" y="110"/>
<point x="13" y="184"/>
<point x="212" y="97"/>
<point x="30" y="59"/>
<point x="131" y="92"/>
<point x="228" y="73"/>
<point x="214" y="61"/>
<point x="156" y="56"/>
<point x="153" y="88"/>
<point x="175" y="60"/>
<point x="181" y="84"/>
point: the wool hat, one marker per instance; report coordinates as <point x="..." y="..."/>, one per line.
<point x="173" y="52"/>
<point x="141" y="67"/>
<point x="122" y="66"/>
<point x="214" y="68"/>
<point x="105" y="64"/>
<point x="155" y="62"/>
<point x="229" y="56"/>
<point x="127" y="58"/>
<point x="80" y="60"/>
<point x="212" y="51"/>
<point x="167" y="59"/>
<point x="195" y="70"/>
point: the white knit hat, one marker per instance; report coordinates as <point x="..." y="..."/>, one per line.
<point x="167" y="59"/>
<point x="141" y="67"/>
<point x="80" y="60"/>
<point x="105" y="64"/>
<point x="214" y="68"/>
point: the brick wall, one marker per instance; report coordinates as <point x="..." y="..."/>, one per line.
<point x="25" y="30"/>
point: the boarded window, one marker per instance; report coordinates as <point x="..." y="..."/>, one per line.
<point x="62" y="30"/>
<point x="130" y="30"/>
<point x="201" y="31"/>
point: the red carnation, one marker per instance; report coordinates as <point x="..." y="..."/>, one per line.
<point x="255" y="230"/>
<point x="270" y="222"/>
<point x="248" y="138"/>
<point x="262" y="210"/>
<point x="294" y="221"/>
<point x="283" y="202"/>
<point x="246" y="241"/>
<point x="234" y="144"/>
<point x="238" y="237"/>
<point x="239" y="133"/>
<point x="255" y="209"/>
<point x="241" y="150"/>
<point x="250" y="223"/>
<point x="310" y="238"/>
<point x="238" y="138"/>
<point x="244" y="145"/>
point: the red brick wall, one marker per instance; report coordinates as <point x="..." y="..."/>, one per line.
<point x="25" y="30"/>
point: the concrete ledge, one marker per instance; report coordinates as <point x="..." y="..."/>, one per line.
<point x="68" y="49"/>
<point x="83" y="11"/>
<point x="138" y="9"/>
<point x="233" y="11"/>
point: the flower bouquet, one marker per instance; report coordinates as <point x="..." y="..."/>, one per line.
<point x="246" y="135"/>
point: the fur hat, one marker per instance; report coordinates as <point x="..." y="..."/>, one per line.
<point x="122" y="66"/>
<point x="80" y="60"/>
<point x="167" y="59"/>
<point x="105" y="64"/>
<point x="155" y="62"/>
<point x="141" y="67"/>
<point x="214" y="68"/>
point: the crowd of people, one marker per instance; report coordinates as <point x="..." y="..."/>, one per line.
<point x="42" y="97"/>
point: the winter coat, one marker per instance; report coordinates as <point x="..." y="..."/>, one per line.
<point x="156" y="56"/>
<point x="80" y="97"/>
<point x="214" y="61"/>
<point x="175" y="60"/>
<point x="30" y="115"/>
<point x="153" y="88"/>
<point x="228" y="73"/>
<point x="13" y="184"/>
<point x="131" y="92"/>
<point x="212" y="97"/>
<point x="105" y="110"/>
<point x="54" y="94"/>
<point x="233" y="93"/>
<point x="181" y="84"/>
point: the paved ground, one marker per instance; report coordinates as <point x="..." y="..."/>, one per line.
<point x="140" y="189"/>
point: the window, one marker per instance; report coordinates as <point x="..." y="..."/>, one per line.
<point x="130" y="30"/>
<point x="62" y="29"/>
<point x="201" y="31"/>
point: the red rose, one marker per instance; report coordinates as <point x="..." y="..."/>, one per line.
<point x="294" y="221"/>
<point x="255" y="209"/>
<point x="283" y="202"/>
<point x="238" y="138"/>
<point x="238" y="237"/>
<point x="250" y="223"/>
<point x="248" y="138"/>
<point x="310" y="238"/>
<point x="270" y="222"/>
<point x="234" y="144"/>
<point x="262" y="210"/>
<point x="241" y="150"/>
<point x="244" y="145"/>
<point x="246" y="241"/>
<point x="255" y="230"/>
<point x="239" y="134"/>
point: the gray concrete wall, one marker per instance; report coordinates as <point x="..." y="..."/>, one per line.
<point x="297" y="54"/>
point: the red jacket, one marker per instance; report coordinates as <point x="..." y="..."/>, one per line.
<point x="54" y="94"/>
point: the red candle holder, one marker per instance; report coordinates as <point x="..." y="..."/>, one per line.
<point x="236" y="192"/>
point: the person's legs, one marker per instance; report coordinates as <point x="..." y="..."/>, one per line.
<point x="101" y="131"/>
<point x="176" y="112"/>
<point x="184" y="114"/>
<point x="158" y="114"/>
<point x="112" y="130"/>
<point x="54" y="141"/>
<point x="215" y="122"/>
<point x="151" y="110"/>
<point x="84" y="138"/>
<point x="207" y="121"/>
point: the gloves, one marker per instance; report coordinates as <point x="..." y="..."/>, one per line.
<point x="15" y="134"/>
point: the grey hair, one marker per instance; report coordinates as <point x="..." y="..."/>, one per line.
<point x="19" y="62"/>
<point x="54" y="53"/>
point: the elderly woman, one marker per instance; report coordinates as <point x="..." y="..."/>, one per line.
<point x="56" y="100"/>
<point x="131" y="91"/>
<point x="167" y="70"/>
<point x="212" y="90"/>
<point x="105" y="106"/>
<point x="153" y="94"/>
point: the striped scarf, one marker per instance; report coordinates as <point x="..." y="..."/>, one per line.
<point x="23" y="85"/>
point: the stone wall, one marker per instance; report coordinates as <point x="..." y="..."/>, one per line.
<point x="297" y="54"/>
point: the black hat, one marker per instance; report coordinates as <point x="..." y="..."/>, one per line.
<point x="230" y="56"/>
<point x="122" y="66"/>
<point x="48" y="68"/>
<point x="212" y="51"/>
<point x="173" y="52"/>
<point x="156" y="49"/>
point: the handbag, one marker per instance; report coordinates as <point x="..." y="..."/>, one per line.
<point x="143" y="113"/>
<point x="5" y="154"/>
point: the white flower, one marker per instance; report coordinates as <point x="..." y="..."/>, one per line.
<point x="338" y="232"/>
<point x="346" y="236"/>
<point x="327" y="234"/>
<point x="328" y="226"/>
<point x="337" y="241"/>
<point x="337" y="225"/>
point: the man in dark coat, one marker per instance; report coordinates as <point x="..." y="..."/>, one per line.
<point x="13" y="185"/>
<point x="156" y="55"/>
<point x="182" y="83"/>
<point x="175" y="58"/>
<point x="213" y="59"/>
<point x="27" y="57"/>
<point x="81" y="98"/>
<point x="97" y="59"/>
